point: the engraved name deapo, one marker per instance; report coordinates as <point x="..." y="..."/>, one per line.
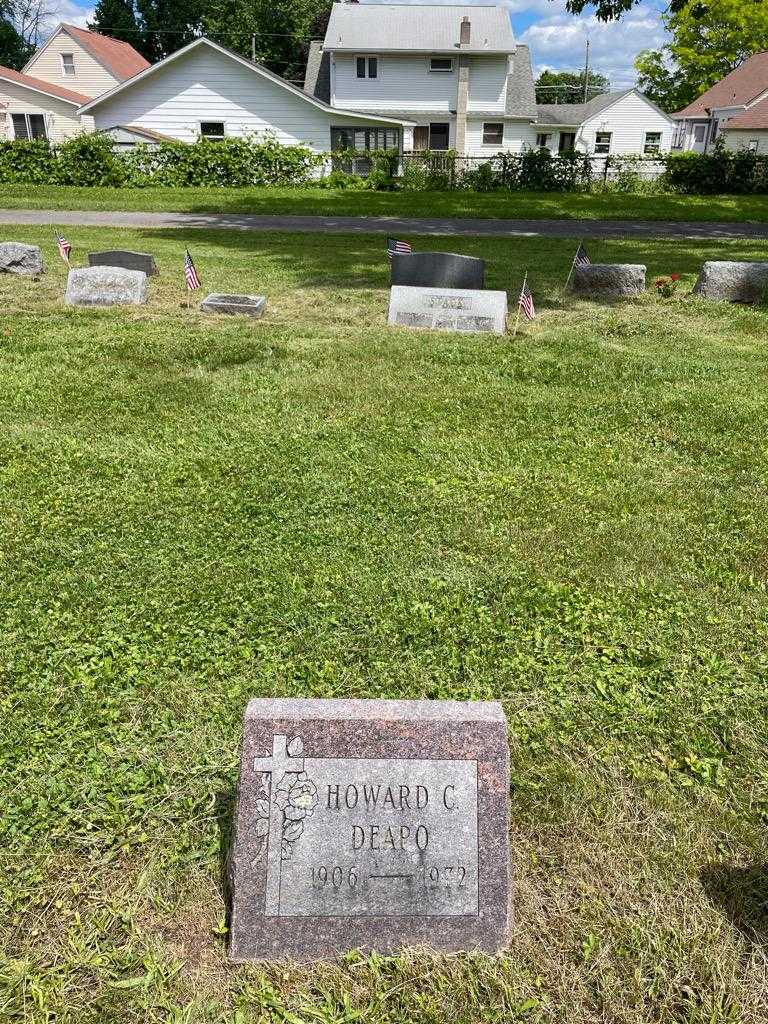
<point x="365" y="837"/>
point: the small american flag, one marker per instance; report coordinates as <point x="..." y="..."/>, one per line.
<point x="193" y="281"/>
<point x="526" y="302"/>
<point x="63" y="245"/>
<point x="396" y="248"/>
<point x="581" y="259"/>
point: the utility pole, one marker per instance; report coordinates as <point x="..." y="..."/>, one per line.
<point x="586" y="74"/>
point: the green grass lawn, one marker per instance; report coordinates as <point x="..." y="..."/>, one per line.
<point x="199" y="511"/>
<point x="333" y="202"/>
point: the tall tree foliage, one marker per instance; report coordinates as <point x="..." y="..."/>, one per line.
<point x="14" y="51"/>
<point x="117" y="18"/>
<point x="709" y="39"/>
<point x="568" y="86"/>
<point x="282" y="30"/>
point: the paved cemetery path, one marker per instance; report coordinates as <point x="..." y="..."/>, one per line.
<point x="392" y="225"/>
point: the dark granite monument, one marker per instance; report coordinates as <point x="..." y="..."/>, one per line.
<point x="125" y="258"/>
<point x="372" y="824"/>
<point x="437" y="270"/>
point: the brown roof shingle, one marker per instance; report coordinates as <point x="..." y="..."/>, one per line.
<point x="37" y="83"/>
<point x="741" y="86"/>
<point x="753" y="119"/>
<point x="117" y="57"/>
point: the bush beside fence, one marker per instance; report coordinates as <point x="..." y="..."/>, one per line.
<point x="90" y="160"/>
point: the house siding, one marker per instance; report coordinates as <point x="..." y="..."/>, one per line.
<point x="405" y="83"/>
<point x="61" y="120"/>
<point x="209" y="86"/>
<point x="628" y="120"/>
<point x="90" y="77"/>
<point x="517" y="137"/>
<point x="741" y="140"/>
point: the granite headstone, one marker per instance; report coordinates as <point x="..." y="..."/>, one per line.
<point x="105" y="286"/>
<point x="125" y="258"/>
<point x="247" y="305"/>
<point x="608" y="281"/>
<point x="437" y="270"/>
<point x="20" y="258"/>
<point x="733" y="281"/>
<point x="448" y="309"/>
<point x="371" y="824"/>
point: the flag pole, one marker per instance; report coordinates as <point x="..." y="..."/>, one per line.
<point x="517" y="318"/>
<point x="570" y="272"/>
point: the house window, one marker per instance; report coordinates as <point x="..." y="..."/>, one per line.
<point x="699" y="133"/>
<point x="652" y="142"/>
<point x="542" y="140"/>
<point x="753" y="144"/>
<point x="364" y="139"/>
<point x="439" y="133"/>
<point x="212" y="130"/>
<point x="493" y="133"/>
<point x="603" y="142"/>
<point x="29" y="126"/>
<point x="441" y="64"/>
<point x="367" y="67"/>
<point x="68" y="64"/>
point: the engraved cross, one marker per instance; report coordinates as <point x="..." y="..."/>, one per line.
<point x="277" y="766"/>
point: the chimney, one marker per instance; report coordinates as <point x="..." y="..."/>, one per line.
<point x="465" y="31"/>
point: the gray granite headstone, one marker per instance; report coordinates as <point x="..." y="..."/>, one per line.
<point x="106" y="286"/>
<point x="20" y="258"/>
<point x="437" y="270"/>
<point x="125" y="258"/>
<point x="371" y="824"/>
<point x="732" y="281"/>
<point x="247" y="305"/>
<point x="447" y="309"/>
<point x="608" y="281"/>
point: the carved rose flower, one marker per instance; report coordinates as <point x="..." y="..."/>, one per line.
<point x="296" y="799"/>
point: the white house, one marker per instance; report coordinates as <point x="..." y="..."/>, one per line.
<point x="42" y="100"/>
<point x="620" y="123"/>
<point x="205" y="90"/>
<point x="456" y="72"/>
<point x="733" y="107"/>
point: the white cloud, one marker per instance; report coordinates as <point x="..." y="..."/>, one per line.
<point x="558" y="42"/>
<point x="70" y="12"/>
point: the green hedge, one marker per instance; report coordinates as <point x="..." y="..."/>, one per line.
<point x="93" y="160"/>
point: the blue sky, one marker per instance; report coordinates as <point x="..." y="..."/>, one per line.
<point x="555" y="37"/>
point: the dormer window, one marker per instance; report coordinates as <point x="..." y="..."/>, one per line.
<point x="441" y="64"/>
<point x="68" y="64"/>
<point x="367" y="67"/>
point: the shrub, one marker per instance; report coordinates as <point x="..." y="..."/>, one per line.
<point x="91" y="159"/>
<point x="27" y="163"/>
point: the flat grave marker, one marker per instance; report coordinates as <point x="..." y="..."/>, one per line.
<point x="370" y="824"/>
<point x="245" y="305"/>
<point x="448" y="309"/>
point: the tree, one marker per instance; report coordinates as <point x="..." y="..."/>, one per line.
<point x="282" y="30"/>
<point x="568" y="86"/>
<point x="612" y="10"/>
<point x="14" y="52"/>
<point x="709" y="39"/>
<point x="117" y="18"/>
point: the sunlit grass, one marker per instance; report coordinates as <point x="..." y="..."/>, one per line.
<point x="198" y="511"/>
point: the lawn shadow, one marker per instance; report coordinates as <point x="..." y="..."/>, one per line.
<point x="225" y="816"/>
<point x="743" y="894"/>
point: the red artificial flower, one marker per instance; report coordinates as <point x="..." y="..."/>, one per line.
<point x="674" y="277"/>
